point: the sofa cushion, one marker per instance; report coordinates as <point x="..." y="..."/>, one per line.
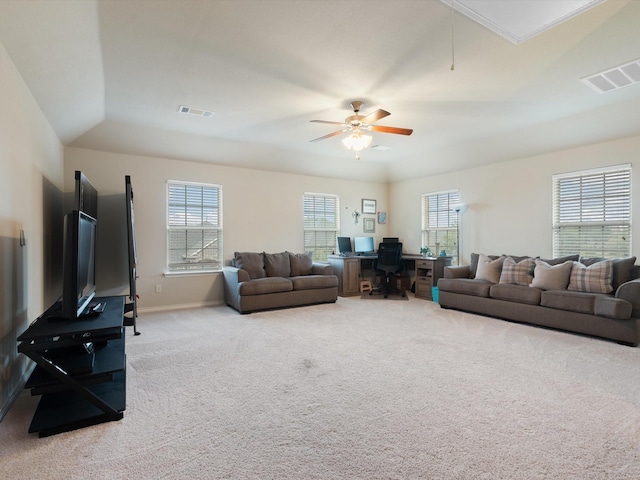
<point x="301" y="263"/>
<point x="489" y="269"/>
<point x="309" y="282"/>
<point x="277" y="264"/>
<point x="252" y="263"/>
<point x="467" y="286"/>
<point x="607" y="306"/>
<point x="551" y="277"/>
<point x="516" y="293"/>
<point x="595" y="278"/>
<point x="260" y="286"/>
<point x="559" y="260"/>
<point x="565" y="300"/>
<point x="517" y="272"/>
<point x="622" y="268"/>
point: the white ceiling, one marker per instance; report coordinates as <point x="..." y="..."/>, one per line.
<point x="111" y="75"/>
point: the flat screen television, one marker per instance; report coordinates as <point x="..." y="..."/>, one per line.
<point x="131" y="247"/>
<point x="79" y="264"/>
<point x="85" y="195"/>
<point x="363" y="245"/>
<point x="344" y="245"/>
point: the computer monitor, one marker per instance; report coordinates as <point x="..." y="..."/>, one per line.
<point x="363" y="245"/>
<point x="344" y="245"/>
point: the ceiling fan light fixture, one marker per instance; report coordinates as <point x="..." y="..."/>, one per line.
<point x="357" y="141"/>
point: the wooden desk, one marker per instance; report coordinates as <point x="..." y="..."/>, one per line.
<point x="349" y="271"/>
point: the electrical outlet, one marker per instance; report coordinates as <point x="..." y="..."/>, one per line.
<point x="158" y="288"/>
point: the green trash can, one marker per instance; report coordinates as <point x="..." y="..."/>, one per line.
<point x="434" y="294"/>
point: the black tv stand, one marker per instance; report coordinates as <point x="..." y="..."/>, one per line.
<point x="80" y="369"/>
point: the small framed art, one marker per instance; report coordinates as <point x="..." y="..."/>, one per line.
<point x="368" y="206"/>
<point x="382" y="217"/>
<point x="369" y="225"/>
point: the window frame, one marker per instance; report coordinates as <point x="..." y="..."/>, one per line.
<point x="331" y="229"/>
<point x="444" y="215"/>
<point x="170" y="268"/>
<point x="597" y="207"/>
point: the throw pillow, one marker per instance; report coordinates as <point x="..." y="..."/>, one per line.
<point x="551" y="277"/>
<point x="595" y="278"/>
<point x="277" y="264"/>
<point x="621" y="269"/>
<point x="489" y="269"/>
<point x="473" y="266"/>
<point x="253" y="263"/>
<point x="517" y="273"/>
<point x="301" y="263"/>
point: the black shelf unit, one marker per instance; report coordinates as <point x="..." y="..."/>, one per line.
<point x="79" y="386"/>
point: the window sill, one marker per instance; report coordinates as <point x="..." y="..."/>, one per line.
<point x="190" y="273"/>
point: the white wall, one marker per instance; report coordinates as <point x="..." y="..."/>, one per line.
<point x="262" y="211"/>
<point x="510" y="203"/>
<point x="31" y="167"/>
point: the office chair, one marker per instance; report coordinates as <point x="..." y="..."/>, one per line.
<point x="388" y="264"/>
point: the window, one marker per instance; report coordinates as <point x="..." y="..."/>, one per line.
<point x="440" y="223"/>
<point x="592" y="212"/>
<point x="194" y="227"/>
<point x="321" y="224"/>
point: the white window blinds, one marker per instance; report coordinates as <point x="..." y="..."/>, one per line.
<point x="440" y="222"/>
<point x="194" y="227"/>
<point x="321" y="224"/>
<point x="592" y="212"/>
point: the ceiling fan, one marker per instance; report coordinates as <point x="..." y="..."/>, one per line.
<point x="356" y="124"/>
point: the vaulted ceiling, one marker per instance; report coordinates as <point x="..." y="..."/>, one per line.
<point x="111" y="75"/>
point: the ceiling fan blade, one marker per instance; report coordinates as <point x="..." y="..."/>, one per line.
<point x="375" y="116"/>
<point x="333" y="134"/>
<point x="399" y="131"/>
<point x="326" y="121"/>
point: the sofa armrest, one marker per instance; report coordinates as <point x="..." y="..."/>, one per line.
<point x="630" y="291"/>
<point x="321" y="269"/>
<point x="461" y="271"/>
<point x="233" y="276"/>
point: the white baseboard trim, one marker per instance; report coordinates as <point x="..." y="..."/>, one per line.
<point x="181" y="306"/>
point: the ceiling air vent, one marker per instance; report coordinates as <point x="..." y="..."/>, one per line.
<point x="195" y="111"/>
<point x="614" y="78"/>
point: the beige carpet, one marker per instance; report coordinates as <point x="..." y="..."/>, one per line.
<point x="352" y="390"/>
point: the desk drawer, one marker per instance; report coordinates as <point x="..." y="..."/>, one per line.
<point x="427" y="282"/>
<point x="424" y="264"/>
<point x="423" y="290"/>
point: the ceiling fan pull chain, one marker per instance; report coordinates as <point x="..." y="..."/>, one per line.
<point x="453" y="54"/>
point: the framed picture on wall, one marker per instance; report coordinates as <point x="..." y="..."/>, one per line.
<point x="382" y="217"/>
<point x="368" y="206"/>
<point x="369" y="225"/>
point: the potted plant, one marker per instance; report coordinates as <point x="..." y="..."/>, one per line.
<point x="425" y="251"/>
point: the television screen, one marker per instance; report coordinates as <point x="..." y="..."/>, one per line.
<point x="79" y="263"/>
<point x="131" y="243"/>
<point x="344" y="244"/>
<point x="86" y="196"/>
<point x="363" y="244"/>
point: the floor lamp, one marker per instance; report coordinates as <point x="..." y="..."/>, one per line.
<point x="458" y="208"/>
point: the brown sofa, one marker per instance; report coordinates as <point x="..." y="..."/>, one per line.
<point x="578" y="302"/>
<point x="261" y="281"/>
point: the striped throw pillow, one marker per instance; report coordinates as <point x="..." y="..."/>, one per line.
<point x="517" y="273"/>
<point x="595" y="278"/>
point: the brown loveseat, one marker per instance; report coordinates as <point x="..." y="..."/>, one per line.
<point x="595" y="297"/>
<point x="261" y="281"/>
